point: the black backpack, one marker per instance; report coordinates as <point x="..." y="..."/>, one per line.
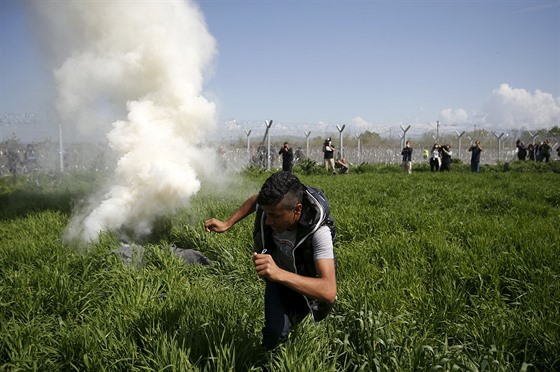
<point x="322" y="199"/>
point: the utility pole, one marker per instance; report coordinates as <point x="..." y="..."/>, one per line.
<point x="340" y="129"/>
<point x="459" y="135"/>
<point x="268" y="124"/>
<point x="359" y="137"/>
<point x="403" y="138"/>
<point x="248" y="133"/>
<point x="60" y="147"/>
<point x="499" y="144"/>
<point x="533" y="138"/>
<point x="307" y="143"/>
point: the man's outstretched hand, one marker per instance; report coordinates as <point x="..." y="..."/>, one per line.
<point x="214" y="225"/>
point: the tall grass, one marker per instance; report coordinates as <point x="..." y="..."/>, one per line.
<point x="453" y="271"/>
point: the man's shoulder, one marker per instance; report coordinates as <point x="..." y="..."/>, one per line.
<point x="316" y="194"/>
<point x="323" y="232"/>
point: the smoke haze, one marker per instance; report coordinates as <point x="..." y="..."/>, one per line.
<point x="133" y="71"/>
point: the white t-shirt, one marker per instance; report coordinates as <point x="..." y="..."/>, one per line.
<point x="285" y="243"/>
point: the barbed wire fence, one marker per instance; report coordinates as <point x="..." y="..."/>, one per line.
<point x="52" y="157"/>
<point x="247" y="141"/>
<point x="498" y="145"/>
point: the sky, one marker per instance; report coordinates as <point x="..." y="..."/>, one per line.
<point x="311" y="66"/>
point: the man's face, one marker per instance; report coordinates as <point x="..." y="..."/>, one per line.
<point x="280" y="218"/>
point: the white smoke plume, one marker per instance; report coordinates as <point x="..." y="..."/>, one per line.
<point x="144" y="61"/>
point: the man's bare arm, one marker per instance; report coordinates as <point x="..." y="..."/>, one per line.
<point x="322" y="287"/>
<point x="248" y="207"/>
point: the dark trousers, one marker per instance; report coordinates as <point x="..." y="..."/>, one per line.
<point x="434" y="164"/>
<point x="475" y="166"/>
<point x="287" y="166"/>
<point x="445" y="165"/>
<point x="283" y="308"/>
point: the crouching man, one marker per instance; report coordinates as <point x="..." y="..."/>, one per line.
<point x="293" y="236"/>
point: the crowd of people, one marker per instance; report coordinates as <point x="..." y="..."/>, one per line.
<point x="331" y="165"/>
<point x="540" y="151"/>
<point x="15" y="158"/>
<point x="439" y="157"/>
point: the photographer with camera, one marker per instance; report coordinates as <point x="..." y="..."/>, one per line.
<point x="475" y="151"/>
<point x="287" y="157"/>
<point x="435" y="158"/>
<point x="446" y="154"/>
<point x="407" y="157"/>
<point x="328" y="156"/>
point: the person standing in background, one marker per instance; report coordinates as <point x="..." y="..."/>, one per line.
<point x="475" y="151"/>
<point x="545" y="151"/>
<point x="328" y="156"/>
<point x="435" y="158"/>
<point x="287" y="157"/>
<point x="407" y="157"/>
<point x="446" y="158"/>
<point x="521" y="150"/>
<point x="531" y="152"/>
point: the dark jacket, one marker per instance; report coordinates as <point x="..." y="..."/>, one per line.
<point x="406" y="154"/>
<point x="287" y="155"/>
<point x="475" y="153"/>
<point x="315" y="213"/>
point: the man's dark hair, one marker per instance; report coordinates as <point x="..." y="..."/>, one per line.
<point x="278" y="186"/>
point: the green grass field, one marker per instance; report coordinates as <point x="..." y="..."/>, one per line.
<point x="453" y="271"/>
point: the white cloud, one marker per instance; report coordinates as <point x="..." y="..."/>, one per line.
<point x="509" y="108"/>
<point x="321" y="127"/>
<point x="360" y="124"/>
<point x="454" y="116"/>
